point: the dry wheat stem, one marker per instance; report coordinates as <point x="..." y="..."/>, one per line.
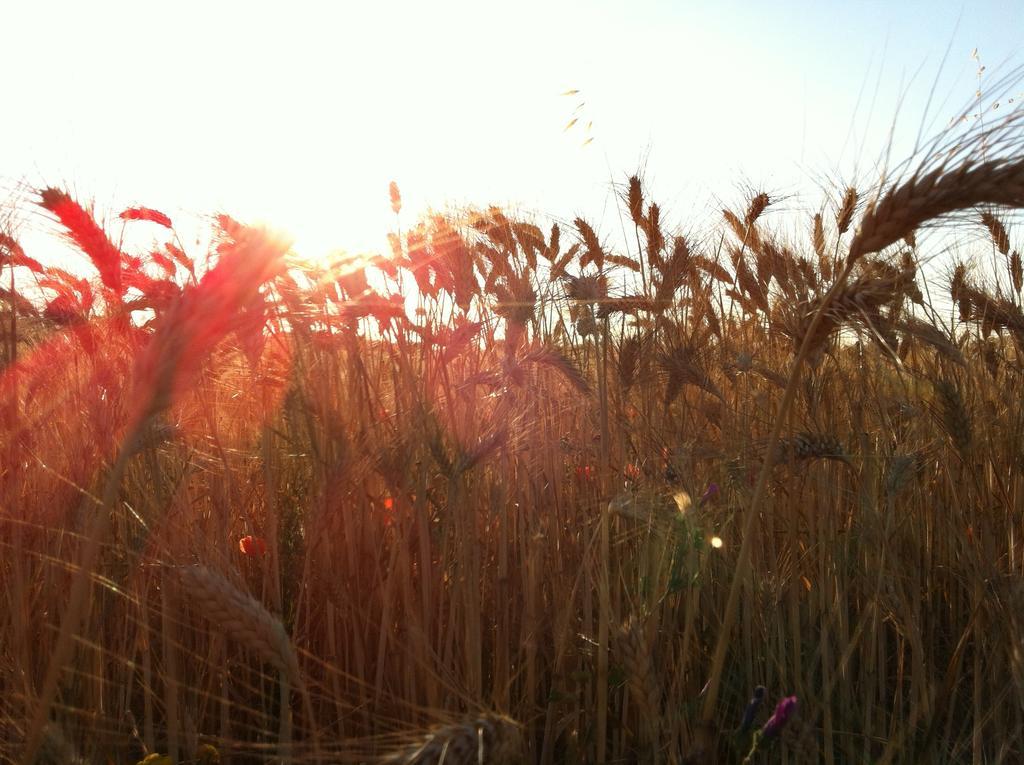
<point x="79" y="599"/>
<point x="743" y="562"/>
<point x="902" y="210"/>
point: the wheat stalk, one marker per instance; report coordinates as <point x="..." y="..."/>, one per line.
<point x="56" y="749"/>
<point x="899" y="212"/>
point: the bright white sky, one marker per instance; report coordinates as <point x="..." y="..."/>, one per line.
<point x="299" y="114"/>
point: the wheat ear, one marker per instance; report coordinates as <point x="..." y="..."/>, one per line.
<point x="924" y="197"/>
<point x="241" y="616"/>
<point x="247" y="621"/>
<point x="634" y="649"/>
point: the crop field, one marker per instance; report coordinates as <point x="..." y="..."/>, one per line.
<point x="514" y="493"/>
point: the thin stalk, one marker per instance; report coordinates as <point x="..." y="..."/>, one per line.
<point x="743" y="562"/>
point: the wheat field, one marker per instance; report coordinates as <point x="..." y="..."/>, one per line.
<point x="509" y="494"/>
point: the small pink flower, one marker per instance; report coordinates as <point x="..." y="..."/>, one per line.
<point x="783" y="711"/>
<point x="710" y="494"/>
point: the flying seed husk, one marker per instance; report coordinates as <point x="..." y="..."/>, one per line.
<point x="396" y="198"/>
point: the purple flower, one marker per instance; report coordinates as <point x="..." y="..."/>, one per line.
<point x="783" y="711"/>
<point x="710" y="493"/>
<point x="751" y="711"/>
